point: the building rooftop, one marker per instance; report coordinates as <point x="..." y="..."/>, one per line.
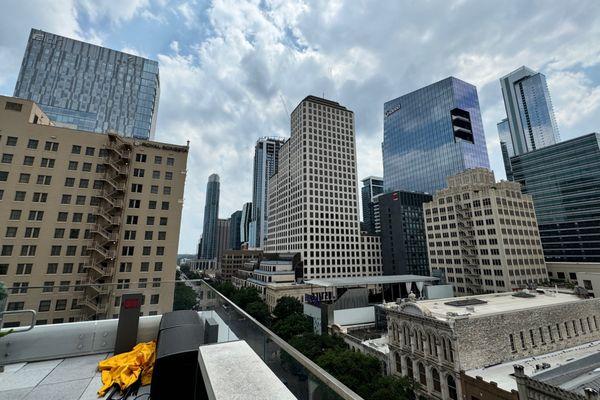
<point x="369" y="280"/>
<point x="488" y="304"/>
<point x="571" y="369"/>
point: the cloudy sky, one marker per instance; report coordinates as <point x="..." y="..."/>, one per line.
<point x="231" y="69"/>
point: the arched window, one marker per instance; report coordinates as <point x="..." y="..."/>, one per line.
<point x="451" y="387"/>
<point x="435" y="376"/>
<point x="416" y="335"/>
<point x="398" y="363"/>
<point x="429" y="343"/>
<point x="422" y="375"/>
<point x="451" y="351"/>
<point x="409" y="368"/>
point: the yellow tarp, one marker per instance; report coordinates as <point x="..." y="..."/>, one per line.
<point x="125" y="368"/>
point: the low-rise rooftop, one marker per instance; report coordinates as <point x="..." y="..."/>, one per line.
<point x="369" y="280"/>
<point x="571" y="369"/>
<point x="488" y="304"/>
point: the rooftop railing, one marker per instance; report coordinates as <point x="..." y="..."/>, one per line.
<point x="46" y="340"/>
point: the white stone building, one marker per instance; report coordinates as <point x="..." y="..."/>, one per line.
<point x="313" y="202"/>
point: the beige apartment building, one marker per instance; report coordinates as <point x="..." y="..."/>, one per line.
<point x="86" y="216"/>
<point x="483" y="234"/>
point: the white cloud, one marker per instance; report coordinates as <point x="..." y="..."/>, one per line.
<point x="115" y="11"/>
<point x="575" y="97"/>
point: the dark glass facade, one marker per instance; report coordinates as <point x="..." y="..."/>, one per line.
<point x="403" y="237"/>
<point x="210" y="229"/>
<point x="235" y="223"/>
<point x="87" y="87"/>
<point x="564" y="181"/>
<point x="372" y="187"/>
<point x="430" y="134"/>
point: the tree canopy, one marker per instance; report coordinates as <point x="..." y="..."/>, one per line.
<point x="184" y="297"/>
<point x="293" y="325"/>
<point x="287" y="306"/>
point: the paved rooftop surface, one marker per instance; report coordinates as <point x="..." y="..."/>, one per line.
<point x="490" y="304"/>
<point x="564" y="368"/>
<point x="369" y="280"/>
<point x="73" y="378"/>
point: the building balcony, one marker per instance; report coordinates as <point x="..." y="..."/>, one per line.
<point x="238" y="357"/>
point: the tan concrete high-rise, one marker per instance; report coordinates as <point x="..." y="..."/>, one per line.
<point x="87" y="216"/>
<point x="483" y="234"/>
<point x="313" y="201"/>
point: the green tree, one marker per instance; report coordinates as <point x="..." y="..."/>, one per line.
<point x="184" y="297"/>
<point x="245" y="296"/>
<point x="293" y="325"/>
<point x="226" y="289"/>
<point x="391" y="387"/>
<point x="313" y="345"/>
<point x="259" y="310"/>
<point x="287" y="306"/>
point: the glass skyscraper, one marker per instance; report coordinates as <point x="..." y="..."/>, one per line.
<point x="266" y="158"/>
<point x="372" y="186"/>
<point x="88" y="87"/>
<point x="210" y="231"/>
<point x="564" y="181"/>
<point x="430" y="134"/>
<point x="531" y="121"/>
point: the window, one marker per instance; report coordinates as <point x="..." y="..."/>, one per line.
<point x="167" y="190"/>
<point x="157" y="160"/>
<point x="153" y="188"/>
<point x="451" y="387"/>
<point x="3" y="176"/>
<point x="40" y="197"/>
<point x="158" y="266"/>
<point x="125" y="267"/>
<point x="162" y="235"/>
<point x="127" y="250"/>
<point x="28" y="160"/>
<point x="3" y="269"/>
<point x="142" y="283"/>
<point x="67" y="268"/>
<point x="129" y="235"/>
<point x="55" y="250"/>
<point x="15" y="215"/>
<point x="44" y="179"/>
<point x="72" y="166"/>
<point x="33" y="144"/>
<point x="28" y="250"/>
<point x="15" y="306"/>
<point x="11" y="231"/>
<point x="140" y="157"/>
<point x="149" y="220"/>
<point x="152" y="204"/>
<point x="64" y="286"/>
<point x="155" y="174"/>
<point x="84" y="183"/>
<point x="6" y="250"/>
<point x="163" y="221"/>
<point x="146" y="250"/>
<point x="77" y="217"/>
<point x="19" y="196"/>
<point x="32" y="232"/>
<point x="409" y="369"/>
<point x="138" y="172"/>
<point x="148" y="235"/>
<point x="435" y="375"/>
<point x="90" y="151"/>
<point x="76" y="149"/>
<point x="62" y="216"/>
<point x="24" y="269"/>
<point x="47" y="162"/>
<point x="87" y="167"/>
<point x="145" y="266"/>
<point x="80" y="200"/>
<point x="60" y="305"/>
<point x="35" y="215"/>
<point x="70" y="182"/>
<point x="160" y="251"/>
<point x="422" y="375"/>
<point x="136" y="187"/>
<point x="131" y="220"/>
<point x="134" y="203"/>
<point x="7" y="158"/>
<point x="170" y="161"/>
<point x="11" y="141"/>
<point x="168" y="175"/>
<point x="74" y="234"/>
<point x="154" y="299"/>
<point x="164" y="205"/>
<point x="65" y="199"/>
<point x="51" y="146"/>
<point x="44" y="305"/>
<point x="24" y="178"/>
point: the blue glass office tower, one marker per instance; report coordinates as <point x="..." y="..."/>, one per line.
<point x="430" y="134"/>
<point x="235" y="222"/>
<point x="210" y="230"/>
<point x="531" y="121"/>
<point x="88" y="87"/>
<point x="372" y="186"/>
<point x="564" y="181"/>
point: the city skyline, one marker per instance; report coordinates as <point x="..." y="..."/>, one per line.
<point x="224" y="127"/>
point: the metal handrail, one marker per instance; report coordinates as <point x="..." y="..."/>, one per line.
<point x="338" y="387"/>
<point x="18" y="330"/>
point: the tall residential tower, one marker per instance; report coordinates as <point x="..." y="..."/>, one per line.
<point x="211" y="215"/>
<point x="266" y="155"/>
<point x="83" y="86"/>
<point x="431" y="134"/>
<point x="313" y="202"/>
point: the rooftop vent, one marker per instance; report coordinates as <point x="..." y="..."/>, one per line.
<point x="465" y="302"/>
<point x="523" y="294"/>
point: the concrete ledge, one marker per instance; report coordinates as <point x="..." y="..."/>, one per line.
<point x="233" y="370"/>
